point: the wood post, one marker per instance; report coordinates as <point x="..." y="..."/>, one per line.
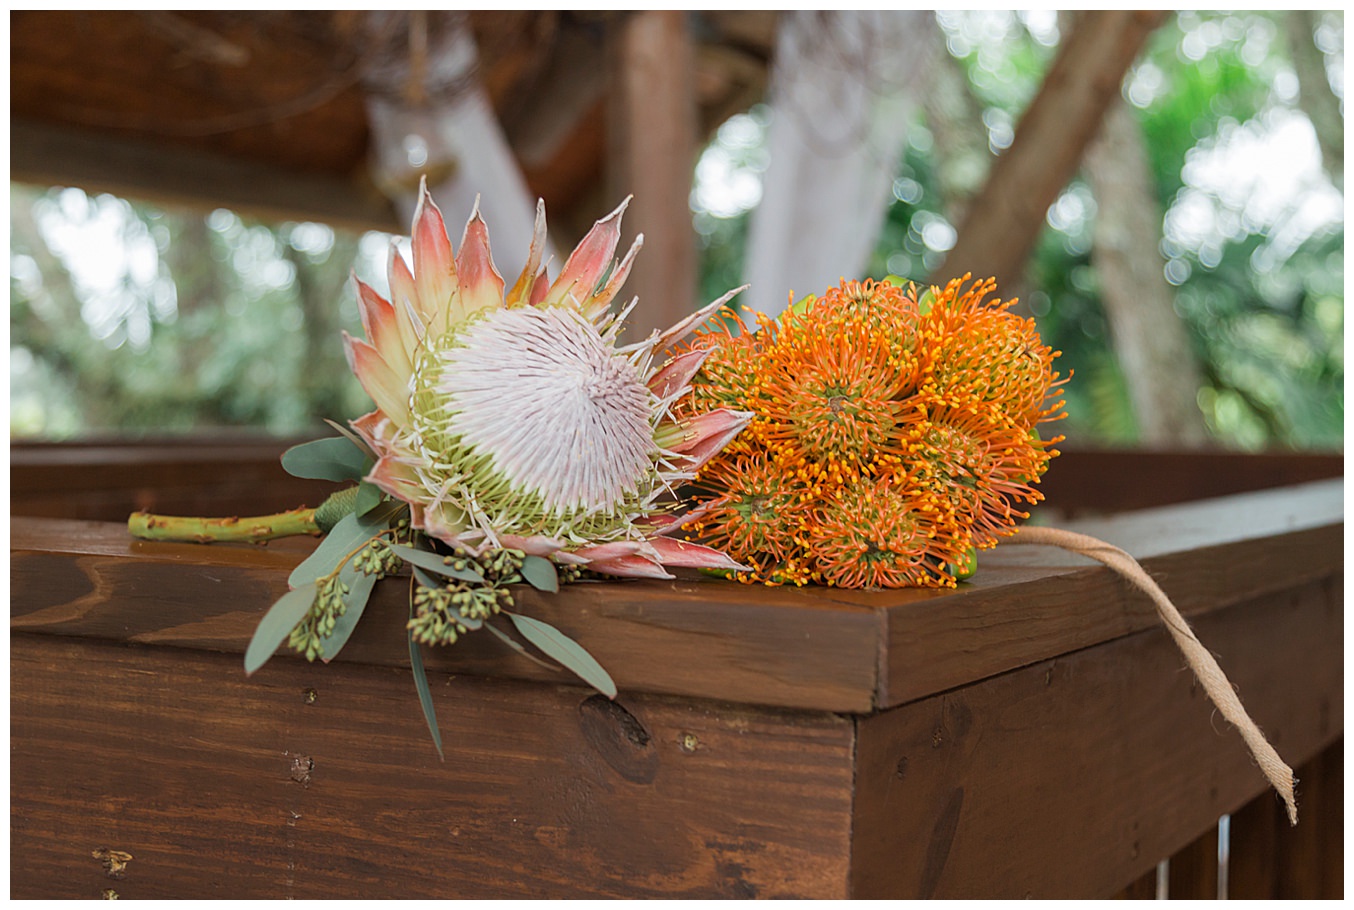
<point x="652" y="155"/>
<point x="1194" y="870"/>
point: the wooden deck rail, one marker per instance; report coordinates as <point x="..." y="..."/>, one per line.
<point x="1033" y="733"/>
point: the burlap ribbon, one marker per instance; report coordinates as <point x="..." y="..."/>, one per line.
<point x="1214" y="681"/>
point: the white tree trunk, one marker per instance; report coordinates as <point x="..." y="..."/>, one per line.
<point x="839" y="96"/>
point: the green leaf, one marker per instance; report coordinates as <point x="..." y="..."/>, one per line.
<point x="565" y="650"/>
<point x="425" y="695"/>
<point x="516" y="646"/>
<point x="425" y="579"/>
<point x="276" y="625"/>
<point x="360" y="586"/>
<point x="540" y="573"/>
<point x="341" y="540"/>
<point x="368" y="497"/>
<point x="433" y="563"/>
<point x="963" y="571"/>
<point x="925" y="300"/>
<point x="804" y="304"/>
<point x="334" y="458"/>
<point x="353" y="438"/>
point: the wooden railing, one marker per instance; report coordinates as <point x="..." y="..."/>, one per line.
<point x="1033" y="733"/>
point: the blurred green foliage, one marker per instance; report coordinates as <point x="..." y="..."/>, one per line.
<point x="126" y="319"/>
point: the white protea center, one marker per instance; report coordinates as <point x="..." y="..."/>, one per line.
<point x="538" y="418"/>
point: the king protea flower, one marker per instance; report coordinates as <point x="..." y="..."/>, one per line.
<point x="514" y="419"/>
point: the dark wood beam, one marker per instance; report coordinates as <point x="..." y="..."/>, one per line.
<point x="168" y="175"/>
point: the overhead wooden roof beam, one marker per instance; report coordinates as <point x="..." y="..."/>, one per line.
<point x="179" y="176"/>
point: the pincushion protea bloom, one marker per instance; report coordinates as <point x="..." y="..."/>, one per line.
<point x="894" y="433"/>
<point x="509" y="417"/>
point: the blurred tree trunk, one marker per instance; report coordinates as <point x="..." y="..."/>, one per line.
<point x="962" y="155"/>
<point x="200" y="296"/>
<point x="1150" y="340"/>
<point x="1006" y="216"/>
<point x="1315" y="96"/>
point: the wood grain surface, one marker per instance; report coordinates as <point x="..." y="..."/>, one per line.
<point x="309" y="782"/>
<point x="1071" y="777"/>
<point x="1033" y="733"/>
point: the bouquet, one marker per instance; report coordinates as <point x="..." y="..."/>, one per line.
<point x="871" y="437"/>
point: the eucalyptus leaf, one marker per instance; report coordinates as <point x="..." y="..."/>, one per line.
<point x="341" y="540"/>
<point x="516" y="646"/>
<point x="425" y="695"/>
<point x="433" y="563"/>
<point x="540" y="573"/>
<point x="352" y="437"/>
<point x="565" y="650"/>
<point x="333" y="458"/>
<point x="360" y="586"/>
<point x="368" y="497"/>
<point x="276" y="626"/>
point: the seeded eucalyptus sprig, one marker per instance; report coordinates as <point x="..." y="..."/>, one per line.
<point x="327" y="625"/>
<point x="443" y="611"/>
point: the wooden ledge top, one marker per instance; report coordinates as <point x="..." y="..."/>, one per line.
<point x="806" y="648"/>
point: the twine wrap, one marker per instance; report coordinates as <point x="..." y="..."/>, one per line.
<point x="1214" y="681"/>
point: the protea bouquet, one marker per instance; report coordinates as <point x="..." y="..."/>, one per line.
<point x="886" y="435"/>
<point x="513" y="440"/>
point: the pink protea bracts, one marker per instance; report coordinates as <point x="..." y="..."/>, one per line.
<point x="509" y="417"/>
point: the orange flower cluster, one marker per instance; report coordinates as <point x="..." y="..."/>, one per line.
<point x="894" y="434"/>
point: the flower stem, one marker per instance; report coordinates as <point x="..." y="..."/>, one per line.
<point x="212" y="530"/>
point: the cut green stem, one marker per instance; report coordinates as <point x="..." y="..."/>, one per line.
<point x="214" y="530"/>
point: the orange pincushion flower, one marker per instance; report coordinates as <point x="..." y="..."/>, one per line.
<point x="761" y="510"/>
<point x="980" y="352"/>
<point x="833" y="383"/>
<point x="889" y="534"/>
<point x="980" y="463"/>
<point x="729" y="375"/>
<point x="892" y="434"/>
